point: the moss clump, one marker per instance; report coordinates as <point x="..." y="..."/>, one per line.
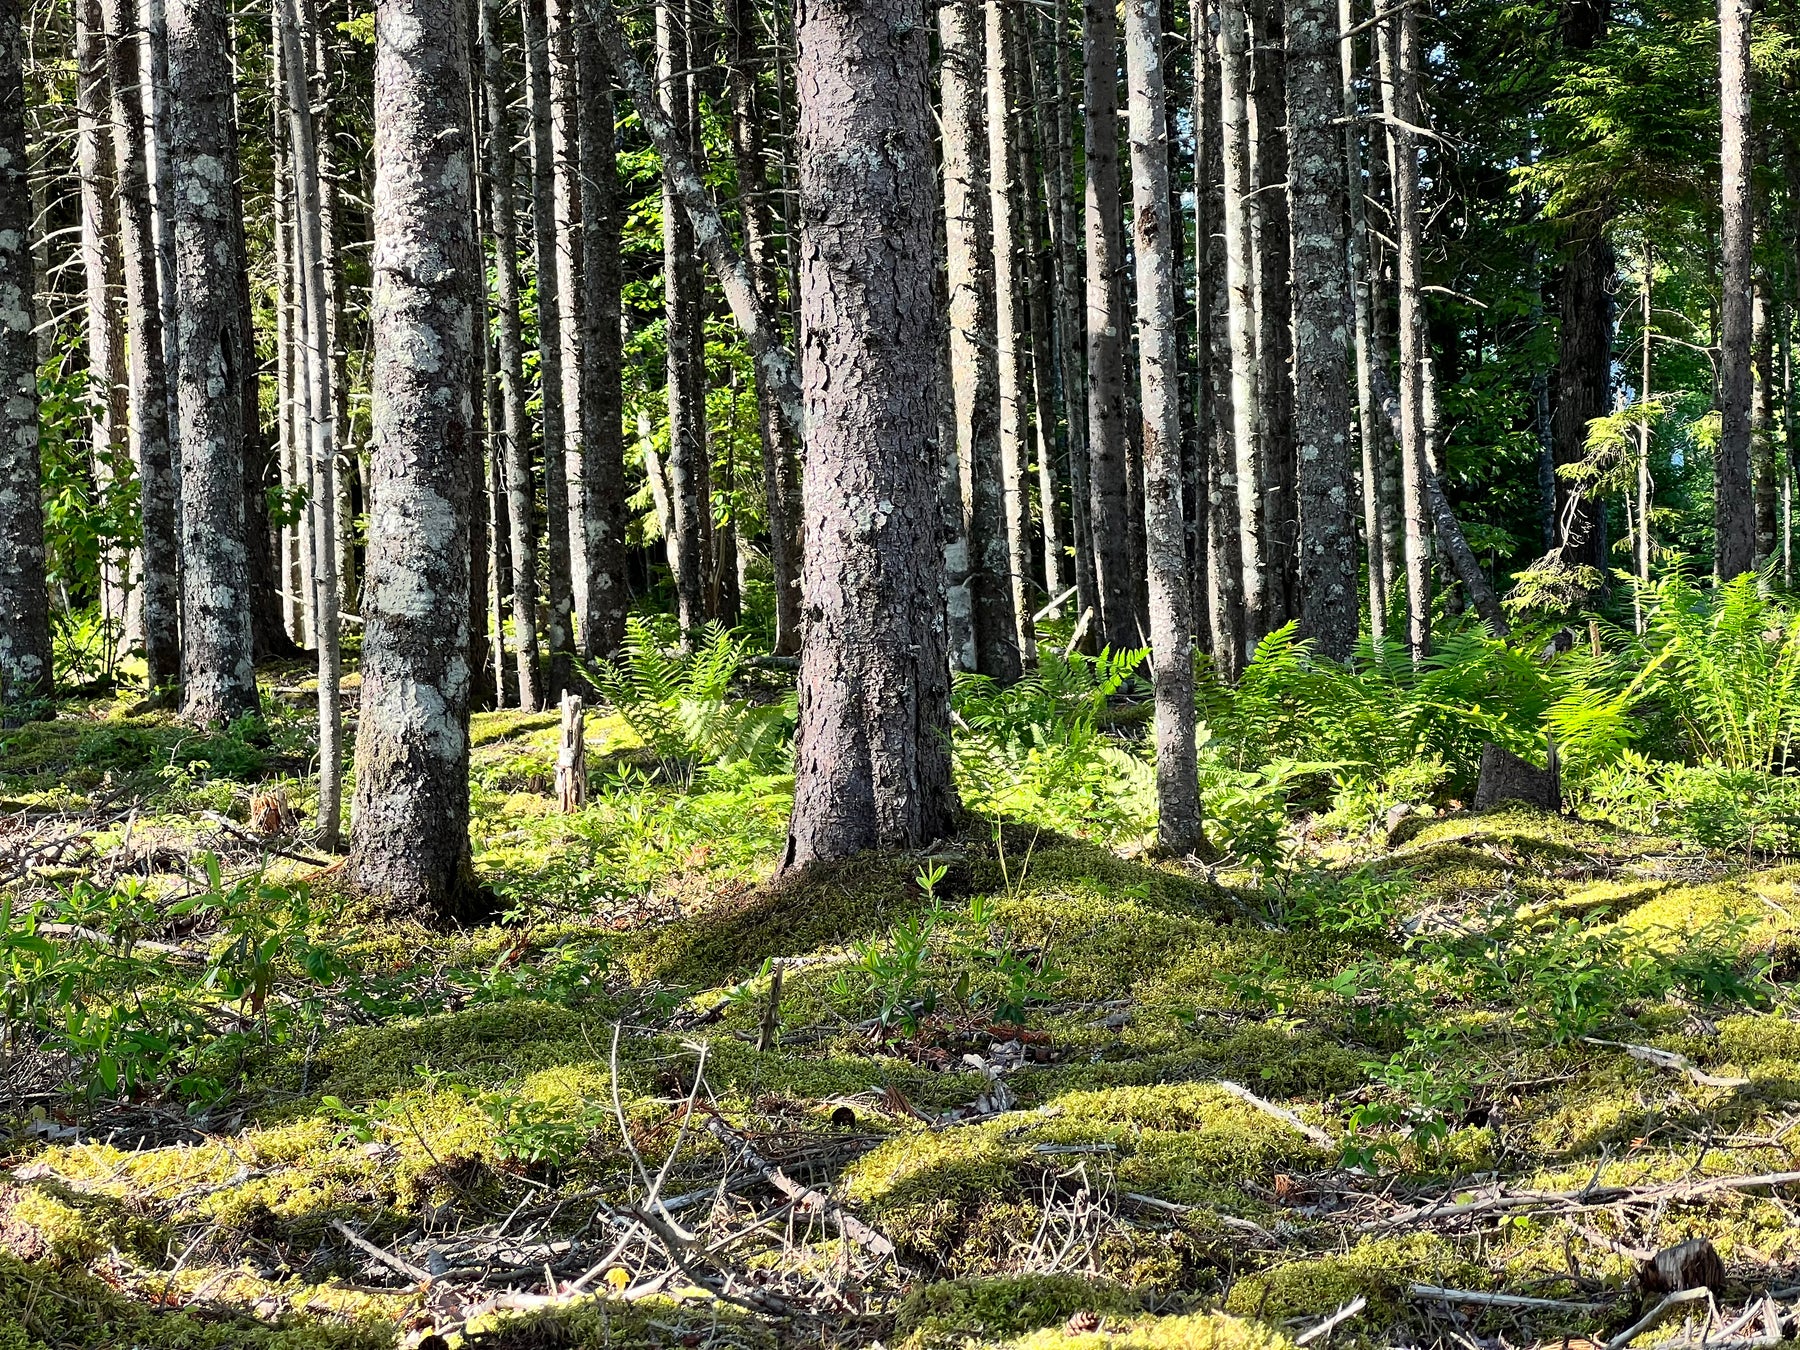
<point x="1379" y="1270"/>
<point x="602" y="1324"/>
<point x="1203" y="1331"/>
<point x="76" y="1227"/>
<point x="952" y="1312"/>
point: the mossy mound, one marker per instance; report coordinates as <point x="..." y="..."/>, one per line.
<point x="1202" y="1331"/>
<point x="950" y="1314"/>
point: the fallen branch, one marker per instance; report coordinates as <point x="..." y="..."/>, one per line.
<point x="803" y="1196"/>
<point x="1650" y="1319"/>
<point x="386" y="1258"/>
<point x="1495" y="1300"/>
<point x="1281" y="1113"/>
<point x="1668" y="1059"/>
<point x="1343" y="1314"/>
<point x="94" y="935"/>
<point x="1588" y="1197"/>
<point x="1173" y="1207"/>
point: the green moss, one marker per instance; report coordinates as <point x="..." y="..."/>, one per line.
<point x="1203" y="1331"/>
<point x="1377" y="1269"/>
<point x="947" y="1314"/>
<point x="76" y="1227"/>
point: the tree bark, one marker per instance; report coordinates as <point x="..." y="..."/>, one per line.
<point x="1321" y="299"/>
<point x="1397" y="42"/>
<point x="410" y="838"/>
<point x="1734" y="522"/>
<point x="1368" y="424"/>
<point x="571" y="263"/>
<point x="1762" y="419"/>
<point x="1274" y="306"/>
<point x="497" y="94"/>
<point x="1003" y="211"/>
<point x="1037" y="265"/>
<point x="158" y="583"/>
<point x="974" y="346"/>
<point x="872" y="751"/>
<point x="780" y="452"/>
<point x="559" y="627"/>
<point x="602" y="400"/>
<point x="213" y="352"/>
<point x="1109" y="508"/>
<point x="26" y="666"/>
<point x="1159" y="385"/>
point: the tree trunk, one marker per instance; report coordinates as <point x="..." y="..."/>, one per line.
<point x="1003" y="212"/>
<point x="1034" y="149"/>
<point x="410" y="839"/>
<point x="872" y="750"/>
<point x="1159" y="384"/>
<point x="1274" y="305"/>
<point x="497" y="94"/>
<point x="1734" y="522"/>
<point x="1762" y="419"/>
<point x="974" y="363"/>
<point x="780" y="451"/>
<point x="321" y="406"/>
<point x="1224" y="559"/>
<point x="1397" y="46"/>
<point x="212" y="353"/>
<point x="108" y="416"/>
<point x="1642" y="552"/>
<point x="1109" y="508"/>
<point x="559" y="627"/>
<point x="1368" y="424"/>
<point x="158" y="583"/>
<point x="1240" y="286"/>
<point x="156" y="115"/>
<point x="602" y="399"/>
<point x="26" y="667"/>
<point x="571" y="262"/>
<point x="1321" y="372"/>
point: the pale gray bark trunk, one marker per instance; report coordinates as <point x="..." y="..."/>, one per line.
<point x="974" y="351"/>
<point x="1321" y="299"/>
<point x="1035" y="150"/>
<point x="516" y="434"/>
<point x="1003" y="213"/>
<point x="1273" y="248"/>
<point x="571" y="262"/>
<point x="559" y="627"/>
<point x="410" y="837"/>
<point x="293" y="589"/>
<point x="1762" y="416"/>
<point x="1642" y="542"/>
<point x="156" y="118"/>
<point x="158" y="583"/>
<point x="213" y="352"/>
<point x="1110" y="514"/>
<point x="1165" y="530"/>
<point x="1734" y="523"/>
<point x="1368" y="424"/>
<point x="872" y="751"/>
<point x="26" y="666"/>
<point x="1240" y="288"/>
<point x="321" y="408"/>
<point x="1397" y="46"/>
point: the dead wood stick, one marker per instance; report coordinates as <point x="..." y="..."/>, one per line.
<point x="1668" y="1059"/>
<point x="1593" y="1197"/>
<point x="1498" y="1300"/>
<point x="1650" y="1319"/>
<point x="771" y="1020"/>
<point x="1173" y="1207"/>
<point x="805" y="1196"/>
<point x="1281" y="1113"/>
<point x="96" y="936"/>
<point x="386" y="1258"/>
<point x="1343" y="1314"/>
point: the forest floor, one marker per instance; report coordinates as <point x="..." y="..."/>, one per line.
<point x="1448" y="1084"/>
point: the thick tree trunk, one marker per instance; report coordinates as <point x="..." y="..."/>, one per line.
<point x="410" y="839"/>
<point x="1397" y="45"/>
<point x="780" y="451"/>
<point x="1240" y="286"/>
<point x="1368" y="423"/>
<point x="559" y="626"/>
<point x="1272" y="241"/>
<point x="1224" y="560"/>
<point x="321" y="406"/>
<point x="516" y="459"/>
<point x="1734" y="523"/>
<point x="108" y="415"/>
<point x="571" y="262"/>
<point x="156" y="115"/>
<point x="1321" y="372"/>
<point x="26" y="667"/>
<point x="1003" y="211"/>
<point x="872" y="751"/>
<point x="1109" y="506"/>
<point x="974" y="364"/>
<point x="602" y="398"/>
<point x="1159" y="384"/>
<point x="213" y="352"/>
<point x="158" y="583"/>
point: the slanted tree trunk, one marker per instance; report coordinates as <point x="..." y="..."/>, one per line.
<point x="1368" y="424"/>
<point x="410" y="837"/>
<point x="1321" y="373"/>
<point x="158" y="593"/>
<point x="780" y="452"/>
<point x="1159" y="385"/>
<point x="212" y="353"/>
<point x="1109" y="505"/>
<point x="974" y="364"/>
<point x="1003" y="211"/>
<point x="1240" y="287"/>
<point x="1734" y="521"/>
<point x="516" y="435"/>
<point x="602" y="399"/>
<point x="26" y="666"/>
<point x="1397" y="48"/>
<point x="872" y="749"/>
<point x="321" y="407"/>
<point x="108" y="416"/>
<point x="1224" y="559"/>
<point x="559" y="627"/>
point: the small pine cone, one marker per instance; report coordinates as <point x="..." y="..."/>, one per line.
<point x="1082" y="1322"/>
